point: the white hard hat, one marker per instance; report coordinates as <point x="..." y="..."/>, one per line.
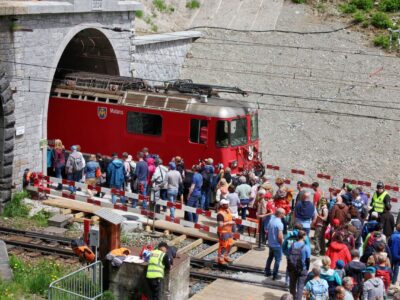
<point x="224" y="201"/>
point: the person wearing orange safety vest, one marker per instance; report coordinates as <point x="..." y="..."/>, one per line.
<point x="380" y="198"/>
<point x="225" y="226"/>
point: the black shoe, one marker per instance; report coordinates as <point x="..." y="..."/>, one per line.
<point x="267" y="274"/>
<point x="277" y="277"/>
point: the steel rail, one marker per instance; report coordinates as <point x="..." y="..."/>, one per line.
<point x="37" y="235"/>
<point x="211" y="277"/>
<point x="41" y="248"/>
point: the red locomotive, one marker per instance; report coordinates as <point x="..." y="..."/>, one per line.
<point x="117" y="114"/>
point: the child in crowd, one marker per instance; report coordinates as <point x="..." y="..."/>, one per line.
<point x="340" y="268"/>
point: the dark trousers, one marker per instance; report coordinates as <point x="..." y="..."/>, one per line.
<point x="156" y="288"/>
<point x="296" y="285"/>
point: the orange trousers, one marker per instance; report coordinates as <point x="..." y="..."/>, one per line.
<point x="224" y="247"/>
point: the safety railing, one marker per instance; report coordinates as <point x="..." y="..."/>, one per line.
<point x="85" y="283"/>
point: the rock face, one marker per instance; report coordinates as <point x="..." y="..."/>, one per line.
<point x="7" y="122"/>
<point x="329" y="103"/>
<point x="6" y="273"/>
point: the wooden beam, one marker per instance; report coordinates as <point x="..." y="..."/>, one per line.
<point x="177" y="240"/>
<point x="189" y="247"/>
<point x="207" y="251"/>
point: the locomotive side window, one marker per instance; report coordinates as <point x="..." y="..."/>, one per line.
<point x="142" y="123"/>
<point x="222" y="133"/>
<point x="254" y="127"/>
<point x="239" y="132"/>
<point x="195" y="130"/>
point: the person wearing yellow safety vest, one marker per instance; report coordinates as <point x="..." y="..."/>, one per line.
<point x="158" y="263"/>
<point x="225" y="226"/>
<point x="380" y="199"/>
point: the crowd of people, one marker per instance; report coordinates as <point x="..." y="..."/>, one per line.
<point x="356" y="243"/>
<point x="355" y="239"/>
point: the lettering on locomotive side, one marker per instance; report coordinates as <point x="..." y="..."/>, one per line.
<point x="116" y="111"/>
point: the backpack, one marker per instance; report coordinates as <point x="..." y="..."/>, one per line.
<point x="374" y="237"/>
<point x="295" y="263"/>
<point x="290" y="241"/>
<point x="384" y="274"/>
<point x="318" y="290"/>
<point x="207" y="179"/>
<point x="77" y="163"/>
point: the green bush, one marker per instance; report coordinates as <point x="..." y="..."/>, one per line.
<point x="389" y="5"/>
<point x="139" y="14"/>
<point x="382" y="41"/>
<point x="299" y="1"/>
<point x="347" y="8"/>
<point x="381" y="20"/>
<point x="193" y="4"/>
<point x="161" y="6"/>
<point x="359" y="17"/>
<point x="154" y="27"/>
<point x="363" y="4"/>
<point x="41" y="218"/>
<point x="16" y="207"/>
<point x="365" y="24"/>
<point x="321" y="8"/>
<point x="108" y="295"/>
<point x="35" y="278"/>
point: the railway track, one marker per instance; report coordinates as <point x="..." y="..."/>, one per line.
<point x="206" y="270"/>
<point x="35" y="241"/>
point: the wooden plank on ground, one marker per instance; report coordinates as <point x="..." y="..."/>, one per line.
<point x="177" y="240"/>
<point x="72" y="204"/>
<point x="189" y="247"/>
<point x="207" y="251"/>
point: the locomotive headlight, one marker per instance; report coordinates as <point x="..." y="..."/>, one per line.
<point x="250" y="155"/>
<point x="233" y="164"/>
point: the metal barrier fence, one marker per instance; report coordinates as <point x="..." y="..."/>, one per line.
<point x="85" y="283"/>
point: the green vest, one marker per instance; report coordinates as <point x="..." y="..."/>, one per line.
<point x="378" y="203"/>
<point x="155" y="268"/>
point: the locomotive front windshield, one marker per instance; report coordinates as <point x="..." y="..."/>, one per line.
<point x="232" y="133"/>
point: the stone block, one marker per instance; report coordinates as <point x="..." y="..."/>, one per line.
<point x="6" y="171"/>
<point x="6" y="273"/>
<point x="5" y="196"/>
<point x="129" y="226"/>
<point x="129" y="281"/>
<point x="8" y="158"/>
<point x="54" y="230"/>
<point x="9" y="120"/>
<point x="60" y="220"/>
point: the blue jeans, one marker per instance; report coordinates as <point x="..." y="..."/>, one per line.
<point x="142" y="191"/>
<point x="274" y="253"/>
<point x="193" y="201"/>
<point x="59" y="175"/>
<point x="114" y="197"/>
<point x="205" y="199"/>
<point x="395" y="268"/>
<point x="75" y="176"/>
<point x="172" y="194"/>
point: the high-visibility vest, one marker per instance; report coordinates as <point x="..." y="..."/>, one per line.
<point x="120" y="252"/>
<point x="378" y="203"/>
<point x="227" y="218"/>
<point x="85" y="253"/>
<point x="155" y="268"/>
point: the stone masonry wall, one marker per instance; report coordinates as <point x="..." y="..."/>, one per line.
<point x="36" y="47"/>
<point x="160" y="61"/>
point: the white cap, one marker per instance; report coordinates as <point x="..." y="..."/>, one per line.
<point x="224" y="201"/>
<point x="375" y="214"/>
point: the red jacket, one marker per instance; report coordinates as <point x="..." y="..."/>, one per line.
<point x="338" y="251"/>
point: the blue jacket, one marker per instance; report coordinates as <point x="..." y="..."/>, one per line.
<point x="90" y="169"/>
<point x="115" y="173"/>
<point x="142" y="170"/>
<point x="394" y="245"/>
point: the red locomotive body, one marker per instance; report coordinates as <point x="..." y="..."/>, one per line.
<point x="108" y="116"/>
